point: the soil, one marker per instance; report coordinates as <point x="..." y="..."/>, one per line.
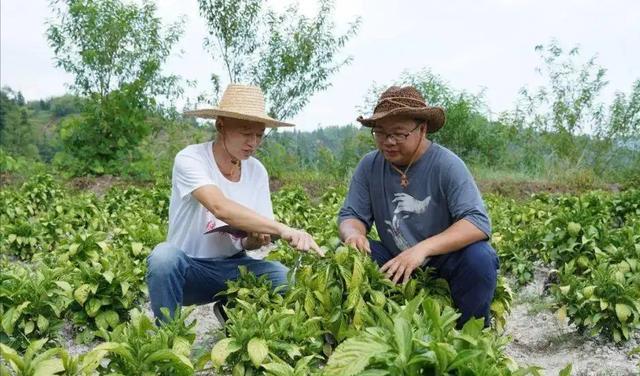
<point x="540" y="338"/>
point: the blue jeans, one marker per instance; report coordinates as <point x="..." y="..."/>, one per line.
<point x="175" y="279"/>
<point x="471" y="272"/>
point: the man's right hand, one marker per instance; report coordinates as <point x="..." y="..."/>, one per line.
<point x="301" y="240"/>
<point x="359" y="242"/>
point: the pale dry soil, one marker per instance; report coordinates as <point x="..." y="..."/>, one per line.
<point x="540" y="338"/>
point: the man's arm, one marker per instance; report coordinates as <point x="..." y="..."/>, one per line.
<point x="454" y="238"/>
<point x="236" y="215"/>
<point x="354" y="233"/>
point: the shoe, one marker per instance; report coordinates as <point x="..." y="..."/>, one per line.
<point x="218" y="311"/>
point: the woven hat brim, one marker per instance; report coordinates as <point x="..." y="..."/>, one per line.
<point x="434" y="116"/>
<point x="212" y="113"/>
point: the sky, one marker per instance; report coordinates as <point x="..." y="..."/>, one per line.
<point x="482" y="45"/>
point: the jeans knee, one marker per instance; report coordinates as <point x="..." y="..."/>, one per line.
<point x="164" y="259"/>
<point x="278" y="275"/>
<point x="480" y="262"/>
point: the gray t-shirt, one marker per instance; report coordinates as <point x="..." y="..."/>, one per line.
<point x="441" y="192"/>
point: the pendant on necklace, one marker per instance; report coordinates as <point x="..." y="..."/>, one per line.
<point x="404" y="181"/>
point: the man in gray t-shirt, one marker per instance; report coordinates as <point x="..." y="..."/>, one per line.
<point x="424" y="203"/>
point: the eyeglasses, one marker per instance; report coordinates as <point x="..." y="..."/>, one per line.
<point x="398" y="138"/>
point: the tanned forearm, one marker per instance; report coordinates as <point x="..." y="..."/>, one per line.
<point x="456" y="237"/>
<point x="235" y="214"/>
<point x="351" y="227"/>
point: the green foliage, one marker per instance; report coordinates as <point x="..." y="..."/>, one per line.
<point x="421" y="338"/>
<point x="139" y="347"/>
<point x="17" y="134"/>
<point x="34" y="361"/>
<point x="567" y="112"/>
<point x="32" y="303"/>
<point x="288" y="55"/>
<point x="338" y="315"/>
<point x="115" y="51"/>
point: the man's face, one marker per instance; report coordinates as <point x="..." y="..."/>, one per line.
<point x="242" y="137"/>
<point x="397" y="138"/>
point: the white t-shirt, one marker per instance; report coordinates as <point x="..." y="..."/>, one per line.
<point x="195" y="167"/>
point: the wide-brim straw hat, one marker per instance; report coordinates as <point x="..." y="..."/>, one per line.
<point x="405" y="101"/>
<point x="244" y="102"/>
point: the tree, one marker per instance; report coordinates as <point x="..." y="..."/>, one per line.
<point x="288" y="55"/>
<point x="568" y="111"/>
<point x="115" y="52"/>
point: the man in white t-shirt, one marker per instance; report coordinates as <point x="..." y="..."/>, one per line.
<point x="216" y="184"/>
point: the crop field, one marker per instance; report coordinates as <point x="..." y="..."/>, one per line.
<point x="74" y="264"/>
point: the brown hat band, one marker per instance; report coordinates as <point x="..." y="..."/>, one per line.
<point x="401" y="104"/>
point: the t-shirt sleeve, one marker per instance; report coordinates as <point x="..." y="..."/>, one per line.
<point x="264" y="206"/>
<point x="189" y="174"/>
<point x="463" y="197"/>
<point x="357" y="203"/>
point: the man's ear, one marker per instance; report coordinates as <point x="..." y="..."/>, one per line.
<point x="423" y="128"/>
<point x="220" y="125"/>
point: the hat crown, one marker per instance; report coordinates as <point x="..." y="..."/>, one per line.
<point x="399" y="97"/>
<point x="244" y="99"/>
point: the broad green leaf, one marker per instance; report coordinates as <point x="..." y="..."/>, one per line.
<point x="43" y="323"/>
<point x="48" y="367"/>
<point x="136" y="248"/>
<point x="28" y="327"/>
<point x="464" y="358"/>
<point x="358" y="273"/>
<point x="354" y="354"/>
<point x="403" y="338"/>
<point x="623" y="312"/>
<point x="166" y="355"/>
<point x="73" y="248"/>
<point x="588" y="291"/>
<point x="11" y="317"/>
<point x="108" y="276"/>
<point x="222" y="350"/>
<point x="93" y="307"/>
<point x="124" y="286"/>
<point x="11" y="355"/>
<point x="82" y="293"/>
<point x="278" y="369"/>
<point x="181" y="346"/>
<point x="573" y="229"/>
<point x="90" y="361"/>
<point x="258" y="351"/>
<point x="64" y="285"/>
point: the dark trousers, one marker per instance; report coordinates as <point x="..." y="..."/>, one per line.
<point x="471" y="272"/>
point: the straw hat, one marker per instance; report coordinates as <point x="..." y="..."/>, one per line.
<point x="405" y="101"/>
<point x="245" y="102"/>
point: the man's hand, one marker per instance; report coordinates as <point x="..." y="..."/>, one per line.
<point x="301" y="240"/>
<point x="256" y="240"/>
<point x="359" y="242"/>
<point x="404" y="264"/>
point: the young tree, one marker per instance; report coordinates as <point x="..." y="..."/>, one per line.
<point x="288" y="55"/>
<point x="115" y="51"/>
<point x="568" y="111"/>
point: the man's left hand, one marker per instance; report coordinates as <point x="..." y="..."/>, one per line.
<point x="256" y="240"/>
<point x="403" y="265"/>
